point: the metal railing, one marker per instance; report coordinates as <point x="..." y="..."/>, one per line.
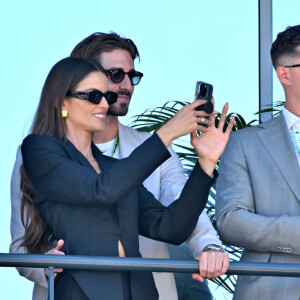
<point x="136" y="264"/>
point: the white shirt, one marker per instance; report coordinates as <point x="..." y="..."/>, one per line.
<point x="108" y="148"/>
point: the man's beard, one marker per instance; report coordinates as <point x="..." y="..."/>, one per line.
<point x="122" y="108"/>
<point x="120" y="111"/>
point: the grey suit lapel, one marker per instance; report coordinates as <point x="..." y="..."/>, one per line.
<point x="277" y="141"/>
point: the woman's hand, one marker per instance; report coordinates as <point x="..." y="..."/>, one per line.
<point x="55" y="251"/>
<point x="212" y="142"/>
<point x="186" y="120"/>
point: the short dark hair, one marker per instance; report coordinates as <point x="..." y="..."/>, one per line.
<point x="286" y="44"/>
<point x="99" y="42"/>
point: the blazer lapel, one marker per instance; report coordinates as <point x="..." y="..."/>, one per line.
<point x="78" y="155"/>
<point x="83" y="160"/>
<point x="103" y="160"/>
<point x="277" y="141"/>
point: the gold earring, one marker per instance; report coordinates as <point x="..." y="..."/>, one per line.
<point x="64" y="113"/>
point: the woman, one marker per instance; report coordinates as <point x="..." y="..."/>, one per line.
<point x="95" y="203"/>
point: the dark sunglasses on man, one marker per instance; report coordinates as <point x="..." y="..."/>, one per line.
<point x="94" y="96"/>
<point x="118" y="75"/>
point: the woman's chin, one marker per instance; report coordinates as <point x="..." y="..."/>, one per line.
<point x="99" y="127"/>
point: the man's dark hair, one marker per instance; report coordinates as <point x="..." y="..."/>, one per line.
<point x="99" y="42"/>
<point x="286" y="44"/>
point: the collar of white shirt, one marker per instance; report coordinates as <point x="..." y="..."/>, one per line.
<point x="290" y="119"/>
<point x="107" y="148"/>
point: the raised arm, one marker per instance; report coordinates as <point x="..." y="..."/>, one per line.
<point x="174" y="224"/>
<point x="172" y="180"/>
<point x="209" y="146"/>
<point x="61" y="179"/>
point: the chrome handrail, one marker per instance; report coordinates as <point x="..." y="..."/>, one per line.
<point x="136" y="264"/>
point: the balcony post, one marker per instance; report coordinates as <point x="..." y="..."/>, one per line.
<point x="51" y="284"/>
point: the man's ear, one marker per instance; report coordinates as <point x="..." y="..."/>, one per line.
<point x="283" y="75"/>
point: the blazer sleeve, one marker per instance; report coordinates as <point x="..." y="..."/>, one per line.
<point x="174" y="224"/>
<point x="60" y="179"/>
<point x="17" y="229"/>
<point x="172" y="180"/>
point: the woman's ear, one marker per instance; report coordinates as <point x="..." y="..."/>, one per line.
<point x="64" y="111"/>
<point x="283" y="75"/>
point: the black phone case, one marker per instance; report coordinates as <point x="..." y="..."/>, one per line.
<point x="208" y="107"/>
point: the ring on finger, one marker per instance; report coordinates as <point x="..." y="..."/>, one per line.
<point x="202" y="120"/>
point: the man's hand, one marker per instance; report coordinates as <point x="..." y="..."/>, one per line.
<point x="212" y="264"/>
<point x="55" y="251"/>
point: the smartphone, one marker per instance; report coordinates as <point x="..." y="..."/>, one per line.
<point x="204" y="91"/>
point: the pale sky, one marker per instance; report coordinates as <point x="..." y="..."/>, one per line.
<point x="180" y="42"/>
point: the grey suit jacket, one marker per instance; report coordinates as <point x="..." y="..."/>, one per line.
<point x="258" y="205"/>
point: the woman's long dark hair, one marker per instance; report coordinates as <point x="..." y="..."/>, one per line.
<point x="48" y="120"/>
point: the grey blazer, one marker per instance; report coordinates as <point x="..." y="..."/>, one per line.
<point x="258" y="205"/>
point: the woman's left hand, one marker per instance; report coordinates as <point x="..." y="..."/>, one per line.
<point x="55" y="251"/>
<point x="211" y="143"/>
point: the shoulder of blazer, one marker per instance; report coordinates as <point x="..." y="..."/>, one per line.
<point x="36" y="142"/>
<point x="252" y="130"/>
<point x="43" y="141"/>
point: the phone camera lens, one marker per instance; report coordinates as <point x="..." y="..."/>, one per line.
<point x="203" y="90"/>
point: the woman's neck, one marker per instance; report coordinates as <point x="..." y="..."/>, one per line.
<point x="81" y="140"/>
